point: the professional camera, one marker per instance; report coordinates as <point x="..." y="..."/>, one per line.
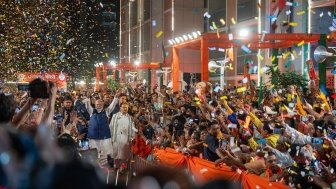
<point x="39" y="88"/>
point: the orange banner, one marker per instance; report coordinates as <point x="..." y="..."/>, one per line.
<point x="58" y="78"/>
<point x="204" y="170"/>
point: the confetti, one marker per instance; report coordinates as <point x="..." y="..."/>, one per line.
<point x="246" y="49"/>
<point x="159" y="34"/>
<point x="214" y="25"/>
<point x="233" y="21"/>
<point x="300" y="13"/>
<point x="293" y="24"/>
<point x="289" y="4"/>
<point x="222" y="21"/>
<point x="329" y="13"/>
<point x="206" y="14"/>
<point x="241" y="89"/>
<point x="301" y="43"/>
<point x="288" y="12"/>
<point x="230" y="36"/>
<point x="321" y="14"/>
<point x="260" y="57"/>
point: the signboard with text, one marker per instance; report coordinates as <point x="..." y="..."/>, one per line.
<point x="56" y="77"/>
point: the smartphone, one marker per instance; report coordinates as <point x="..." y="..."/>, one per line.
<point x="316" y="140"/>
<point x="223" y="144"/>
<point x="304" y="118"/>
<point x="232" y="141"/>
<point x="35" y="107"/>
<point x="331" y="134"/>
<point x="212" y="115"/>
<point x="59" y="119"/>
<point x="277" y="131"/>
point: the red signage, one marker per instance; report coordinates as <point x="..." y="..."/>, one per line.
<point x="58" y="78"/>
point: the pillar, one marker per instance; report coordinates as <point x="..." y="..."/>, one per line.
<point x="204" y="60"/>
<point x="97" y="78"/>
<point x="322" y="67"/>
<point x="105" y="78"/>
<point x="175" y="70"/>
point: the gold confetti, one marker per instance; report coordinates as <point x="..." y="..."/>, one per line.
<point x="159" y="34"/>
<point x="222" y="21"/>
<point x="300" y="13"/>
<point x="301" y="43"/>
<point x="233" y="21"/>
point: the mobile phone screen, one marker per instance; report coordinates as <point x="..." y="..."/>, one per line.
<point x="277" y="131"/>
<point x="316" y="140"/>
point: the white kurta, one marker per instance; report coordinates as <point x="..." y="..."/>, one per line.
<point x="123" y="132"/>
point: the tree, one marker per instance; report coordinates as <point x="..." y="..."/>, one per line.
<point x="285" y="79"/>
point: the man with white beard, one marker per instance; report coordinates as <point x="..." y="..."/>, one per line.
<point x="122" y="132"/>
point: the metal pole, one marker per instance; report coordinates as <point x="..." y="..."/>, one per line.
<point x="222" y="76"/>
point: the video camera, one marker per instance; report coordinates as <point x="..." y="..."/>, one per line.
<point x="38" y="88"/>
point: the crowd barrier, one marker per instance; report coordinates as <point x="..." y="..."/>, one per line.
<point x="204" y="171"/>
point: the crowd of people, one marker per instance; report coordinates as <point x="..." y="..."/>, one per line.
<point x="286" y="136"/>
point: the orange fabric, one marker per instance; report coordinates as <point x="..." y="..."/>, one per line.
<point x="140" y="148"/>
<point x="204" y="170"/>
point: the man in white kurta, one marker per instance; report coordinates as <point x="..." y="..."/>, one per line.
<point x="122" y="132"/>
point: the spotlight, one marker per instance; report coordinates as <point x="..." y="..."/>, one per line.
<point x="199" y="33"/>
<point x="170" y="42"/>
<point x="177" y="40"/>
<point x="243" y="33"/>
<point x="190" y="36"/>
<point x="137" y="62"/>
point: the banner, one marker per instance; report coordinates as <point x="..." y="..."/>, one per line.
<point x="205" y="171"/>
<point x="56" y="77"/>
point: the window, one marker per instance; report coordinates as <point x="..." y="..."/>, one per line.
<point x="147" y="11"/>
<point x="134" y="13"/>
<point x="243" y="58"/>
<point x="145" y="37"/>
<point x="217" y="10"/>
<point x="246" y="10"/>
<point x="134" y="41"/>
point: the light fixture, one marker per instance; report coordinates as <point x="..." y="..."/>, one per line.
<point x="170" y="42"/>
<point x="137" y="62"/>
<point x="177" y="40"/>
<point x="243" y="33"/>
<point x="190" y="36"/>
<point x="185" y="37"/>
<point x="194" y="34"/>
<point x="112" y="62"/>
<point x="199" y="33"/>
<point x="181" y="39"/>
<point x="82" y="82"/>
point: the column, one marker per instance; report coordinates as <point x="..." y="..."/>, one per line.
<point x="175" y="70"/>
<point x="97" y="78"/>
<point x="204" y="60"/>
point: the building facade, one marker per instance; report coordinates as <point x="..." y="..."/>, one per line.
<point x="148" y="25"/>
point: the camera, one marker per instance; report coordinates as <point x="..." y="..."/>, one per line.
<point x="39" y="88"/>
